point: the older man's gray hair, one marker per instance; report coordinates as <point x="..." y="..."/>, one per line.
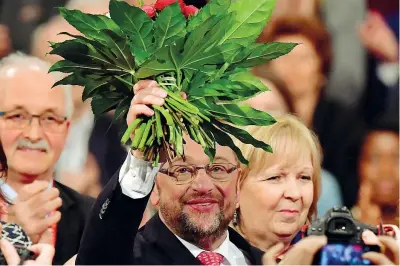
<point x="19" y="59"/>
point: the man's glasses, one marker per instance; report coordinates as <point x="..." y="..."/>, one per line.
<point x="184" y="174"/>
<point x="19" y="119"/>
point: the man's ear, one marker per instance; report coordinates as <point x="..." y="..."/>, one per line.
<point x="155" y="196"/>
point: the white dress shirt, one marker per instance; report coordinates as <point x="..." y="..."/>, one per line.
<point x="137" y="179"/>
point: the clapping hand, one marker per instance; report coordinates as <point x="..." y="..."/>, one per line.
<point x="34" y="209"/>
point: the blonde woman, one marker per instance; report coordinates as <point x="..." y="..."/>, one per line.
<point x="278" y="192"/>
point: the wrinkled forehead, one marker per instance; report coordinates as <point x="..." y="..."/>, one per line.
<point x="194" y="154"/>
<point x="29" y="88"/>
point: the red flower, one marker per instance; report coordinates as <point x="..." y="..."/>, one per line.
<point x="182" y="4"/>
<point x="150" y="11"/>
<point x="190" y="11"/>
<point x="161" y="4"/>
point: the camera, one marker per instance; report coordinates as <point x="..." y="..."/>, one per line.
<point x="345" y="245"/>
<point x="339" y="226"/>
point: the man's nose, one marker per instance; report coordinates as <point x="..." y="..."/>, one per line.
<point x="33" y="131"/>
<point x="202" y="183"/>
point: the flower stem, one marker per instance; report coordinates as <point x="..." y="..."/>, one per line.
<point x="179" y="79"/>
<point x="221" y="71"/>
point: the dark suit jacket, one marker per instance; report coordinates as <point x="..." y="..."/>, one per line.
<point x="74" y="212"/>
<point x="111" y="235"/>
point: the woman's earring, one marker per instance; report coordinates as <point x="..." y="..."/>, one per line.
<point x="235" y="218"/>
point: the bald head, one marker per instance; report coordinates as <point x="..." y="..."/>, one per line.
<point x="22" y="73"/>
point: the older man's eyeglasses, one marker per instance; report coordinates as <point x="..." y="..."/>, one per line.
<point x="19" y="119"/>
<point x="183" y="174"/>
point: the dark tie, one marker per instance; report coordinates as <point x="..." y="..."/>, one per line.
<point x="210" y="258"/>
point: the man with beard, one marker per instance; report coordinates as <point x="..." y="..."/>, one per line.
<point x="196" y="202"/>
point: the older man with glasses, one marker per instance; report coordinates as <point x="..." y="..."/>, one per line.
<point x="34" y="122"/>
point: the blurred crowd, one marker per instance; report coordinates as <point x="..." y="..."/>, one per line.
<point x="341" y="82"/>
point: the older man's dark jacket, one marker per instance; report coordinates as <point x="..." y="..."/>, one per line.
<point x="75" y="210"/>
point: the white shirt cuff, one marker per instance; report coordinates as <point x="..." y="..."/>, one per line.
<point x="137" y="177"/>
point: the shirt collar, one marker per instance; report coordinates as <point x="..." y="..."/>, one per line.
<point x="9" y="193"/>
<point x="223" y="249"/>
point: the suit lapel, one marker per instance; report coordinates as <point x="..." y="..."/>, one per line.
<point x="158" y="234"/>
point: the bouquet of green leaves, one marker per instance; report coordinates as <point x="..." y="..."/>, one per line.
<point x="206" y="54"/>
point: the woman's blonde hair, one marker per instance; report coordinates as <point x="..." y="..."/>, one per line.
<point x="288" y="137"/>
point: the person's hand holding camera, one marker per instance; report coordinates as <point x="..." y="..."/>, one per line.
<point x="304" y="251"/>
<point x="389" y="246"/>
<point x="344" y="233"/>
